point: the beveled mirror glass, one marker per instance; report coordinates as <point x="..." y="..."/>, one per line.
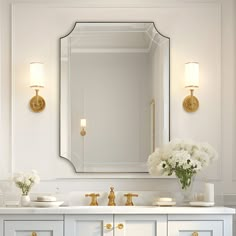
<point x="116" y="77"/>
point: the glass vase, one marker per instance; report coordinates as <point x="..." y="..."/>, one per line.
<point x="186" y="191"/>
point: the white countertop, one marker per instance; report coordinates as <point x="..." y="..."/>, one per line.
<point x="117" y="210"/>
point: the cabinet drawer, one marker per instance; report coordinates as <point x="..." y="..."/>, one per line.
<point x="33" y="228"/>
<point x="140" y="225"/>
<point x="195" y="228"/>
<point x="88" y="225"/>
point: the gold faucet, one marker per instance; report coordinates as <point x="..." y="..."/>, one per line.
<point x="93" y="196"/>
<point x="129" y="196"/>
<point x="111" y="197"/>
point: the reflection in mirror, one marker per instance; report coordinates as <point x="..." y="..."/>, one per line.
<point x="114" y="91"/>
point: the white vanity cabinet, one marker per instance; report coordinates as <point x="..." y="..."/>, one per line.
<point x="116" y="225"/>
<point x="116" y="221"/>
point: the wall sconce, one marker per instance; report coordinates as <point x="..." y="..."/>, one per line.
<point x="190" y="102"/>
<point x="37" y="103"/>
<point x="83" y="126"/>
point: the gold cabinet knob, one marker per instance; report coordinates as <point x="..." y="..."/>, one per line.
<point x="195" y="234"/>
<point x="108" y="226"/>
<point x="34" y="234"/>
<point x="120" y="226"/>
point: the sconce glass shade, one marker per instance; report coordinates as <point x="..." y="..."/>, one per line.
<point x="83" y="123"/>
<point x="36" y="75"/>
<point x="191" y="75"/>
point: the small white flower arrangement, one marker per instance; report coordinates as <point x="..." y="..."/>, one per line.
<point x="25" y="181"/>
<point x="184" y="158"/>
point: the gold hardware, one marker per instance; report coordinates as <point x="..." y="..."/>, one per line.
<point x="129" y="196"/>
<point x="195" y="234"/>
<point x="153" y="104"/>
<point x="83" y="132"/>
<point x="93" y="196"/>
<point x="120" y="226"/>
<point x="83" y="126"/>
<point x="111" y="197"/>
<point x="37" y="103"/>
<point x="34" y="234"/>
<point x="190" y="103"/>
<point x="108" y="226"/>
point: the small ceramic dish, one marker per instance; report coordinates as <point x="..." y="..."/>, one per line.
<point x="162" y="203"/>
<point x="46" y="199"/>
<point x="202" y="204"/>
<point x="45" y="204"/>
<point x="164" y="199"/>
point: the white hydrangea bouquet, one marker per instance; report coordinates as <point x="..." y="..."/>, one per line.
<point x="25" y="181"/>
<point x="184" y="158"/>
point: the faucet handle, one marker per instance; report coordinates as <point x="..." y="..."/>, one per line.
<point x="129" y="196"/>
<point x="93" y="196"/>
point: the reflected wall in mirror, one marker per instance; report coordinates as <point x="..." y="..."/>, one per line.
<point x="114" y="85"/>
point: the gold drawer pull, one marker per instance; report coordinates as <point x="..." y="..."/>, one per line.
<point x="195" y="234"/>
<point x="34" y="234"/>
<point x="108" y="226"/>
<point x="120" y="226"/>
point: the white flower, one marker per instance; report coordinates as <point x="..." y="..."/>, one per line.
<point x="35" y="179"/>
<point x="178" y="144"/>
<point x="160" y="170"/>
<point x="179" y="158"/>
<point x="17" y="176"/>
<point x="196" y="164"/>
<point x="180" y="155"/>
<point x="209" y="150"/>
<point x="19" y="179"/>
<point x="153" y="159"/>
<point x="202" y="157"/>
<point x="25" y="181"/>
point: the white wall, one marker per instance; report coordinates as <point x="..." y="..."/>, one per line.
<point x="196" y="29"/>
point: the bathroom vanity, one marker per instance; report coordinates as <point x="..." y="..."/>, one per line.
<point x="116" y="221"/>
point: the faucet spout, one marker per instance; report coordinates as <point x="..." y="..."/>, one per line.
<point x="111" y="197"/>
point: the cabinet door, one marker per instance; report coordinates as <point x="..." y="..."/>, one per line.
<point x="88" y="225"/>
<point x="140" y="225"/>
<point x="33" y="228"/>
<point x="195" y="228"/>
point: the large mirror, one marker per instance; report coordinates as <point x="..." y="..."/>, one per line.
<point x="114" y="95"/>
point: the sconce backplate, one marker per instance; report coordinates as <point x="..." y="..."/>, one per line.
<point x="83" y="132"/>
<point x="190" y="103"/>
<point x="37" y="103"/>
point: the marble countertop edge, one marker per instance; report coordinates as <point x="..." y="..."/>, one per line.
<point x="117" y="210"/>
